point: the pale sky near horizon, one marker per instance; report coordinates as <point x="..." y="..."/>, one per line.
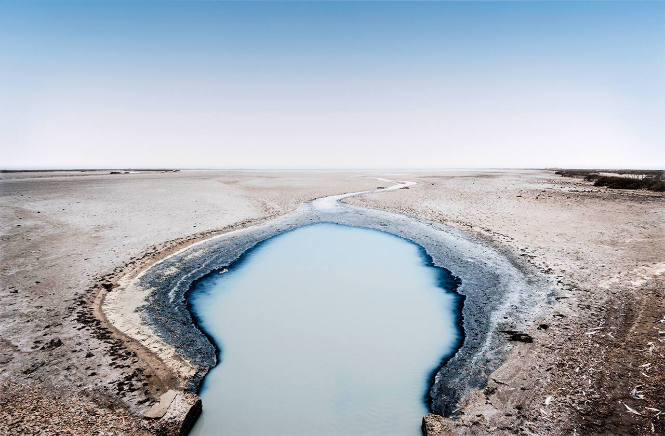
<point x="332" y="84"/>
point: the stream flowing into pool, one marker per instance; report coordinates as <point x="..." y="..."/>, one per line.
<point x="324" y="330"/>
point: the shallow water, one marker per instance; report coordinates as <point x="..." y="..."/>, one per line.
<point x="323" y="330"/>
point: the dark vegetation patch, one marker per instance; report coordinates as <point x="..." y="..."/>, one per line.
<point x="648" y="183"/>
<point x="52" y="344"/>
<point x="651" y="180"/>
<point x="513" y="335"/>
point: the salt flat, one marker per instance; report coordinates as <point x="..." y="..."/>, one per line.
<point x="64" y="235"/>
<point x="61" y="234"/>
<point x="606" y="250"/>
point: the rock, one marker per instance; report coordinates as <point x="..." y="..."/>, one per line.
<point x="195" y="406"/>
<point x="433" y="425"/>
<point x="437" y="425"/>
<point x="177" y="412"/>
<point x="159" y="409"/>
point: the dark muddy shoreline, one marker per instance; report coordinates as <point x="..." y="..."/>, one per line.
<point x="497" y="294"/>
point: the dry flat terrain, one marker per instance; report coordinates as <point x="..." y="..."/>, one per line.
<point x="60" y="370"/>
<point x="595" y="364"/>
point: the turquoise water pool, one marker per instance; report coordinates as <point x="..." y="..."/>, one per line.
<point x="324" y="330"/>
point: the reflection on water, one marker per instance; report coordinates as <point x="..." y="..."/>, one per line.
<point x="324" y="330"/>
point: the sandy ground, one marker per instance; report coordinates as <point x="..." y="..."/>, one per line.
<point x="595" y="364"/>
<point x="61" y="235"/>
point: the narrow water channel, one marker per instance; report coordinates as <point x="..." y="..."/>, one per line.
<point x="326" y="330"/>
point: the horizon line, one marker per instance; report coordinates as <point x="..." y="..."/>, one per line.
<point x="82" y="169"/>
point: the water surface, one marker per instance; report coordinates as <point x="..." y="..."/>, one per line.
<point x="326" y="330"/>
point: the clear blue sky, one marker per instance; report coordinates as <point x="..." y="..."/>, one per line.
<point x="332" y="84"/>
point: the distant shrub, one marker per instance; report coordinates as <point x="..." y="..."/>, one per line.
<point x="573" y="173"/>
<point x="652" y="180"/>
<point x="649" y="183"/>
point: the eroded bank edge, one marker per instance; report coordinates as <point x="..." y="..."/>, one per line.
<point x="378" y="226"/>
<point x="164" y="380"/>
<point x="446" y="281"/>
